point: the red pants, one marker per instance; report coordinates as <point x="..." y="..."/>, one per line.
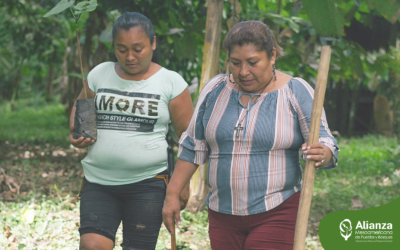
<point x="270" y="230"/>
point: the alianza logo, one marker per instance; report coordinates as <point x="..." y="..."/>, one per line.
<point x="345" y="228"/>
<point x="372" y="228"/>
<point x="366" y="225"/>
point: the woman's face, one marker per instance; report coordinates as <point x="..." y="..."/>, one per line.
<point x="133" y="50"/>
<point x="251" y="68"/>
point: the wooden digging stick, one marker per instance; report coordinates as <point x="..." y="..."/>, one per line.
<point x="308" y="178"/>
<point x="173" y="238"/>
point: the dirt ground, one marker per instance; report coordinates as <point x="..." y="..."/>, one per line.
<point x="39" y="168"/>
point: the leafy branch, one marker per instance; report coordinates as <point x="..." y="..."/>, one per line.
<point x="77" y="10"/>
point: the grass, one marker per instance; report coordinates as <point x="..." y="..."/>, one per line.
<point x="368" y="175"/>
<point x="43" y="212"/>
<point x="368" y="170"/>
<point x="34" y="123"/>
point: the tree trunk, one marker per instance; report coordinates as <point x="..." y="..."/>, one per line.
<point x="234" y="19"/>
<point x="394" y="79"/>
<point x="353" y="107"/>
<point x="64" y="76"/>
<point x="344" y="108"/>
<point x="15" y="88"/>
<point x="50" y="76"/>
<point x="334" y="112"/>
<point x="210" y="67"/>
<point x="276" y="27"/>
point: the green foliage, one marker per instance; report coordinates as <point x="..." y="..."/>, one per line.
<point x="329" y="16"/>
<point x="387" y="8"/>
<point x="326" y="17"/>
<point x="180" y="35"/>
<point x="34" y="123"/>
<point x="367" y="172"/>
<point x="299" y="29"/>
<point x="85" y="6"/>
<point x="179" y="26"/>
<point x="79" y="8"/>
<point x="368" y="154"/>
<point x="27" y="48"/>
<point x="60" y="7"/>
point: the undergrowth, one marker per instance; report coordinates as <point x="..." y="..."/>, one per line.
<point x="39" y="208"/>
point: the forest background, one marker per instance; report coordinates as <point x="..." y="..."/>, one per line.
<point x="40" y="80"/>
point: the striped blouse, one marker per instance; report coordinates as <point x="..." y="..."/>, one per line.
<point x="252" y="150"/>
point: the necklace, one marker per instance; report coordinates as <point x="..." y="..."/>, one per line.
<point x="239" y="127"/>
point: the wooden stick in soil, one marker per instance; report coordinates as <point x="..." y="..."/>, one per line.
<point x="309" y="173"/>
<point x="173" y="237"/>
<point x="80" y="60"/>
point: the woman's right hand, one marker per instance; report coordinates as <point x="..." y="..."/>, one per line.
<point x="183" y="171"/>
<point x="171" y="213"/>
<point x="81" y="142"/>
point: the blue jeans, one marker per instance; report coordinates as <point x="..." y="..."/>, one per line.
<point x="137" y="205"/>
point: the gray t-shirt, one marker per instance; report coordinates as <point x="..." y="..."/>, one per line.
<point x="132" y="123"/>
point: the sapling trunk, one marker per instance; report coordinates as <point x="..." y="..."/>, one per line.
<point x="85" y="113"/>
<point x="80" y="59"/>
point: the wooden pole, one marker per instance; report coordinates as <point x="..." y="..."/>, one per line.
<point x="309" y="173"/>
<point x="210" y="68"/>
<point x="234" y="19"/>
<point x="173" y="237"/>
<point x="212" y="41"/>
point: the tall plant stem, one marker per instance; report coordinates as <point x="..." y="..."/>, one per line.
<point x="80" y="59"/>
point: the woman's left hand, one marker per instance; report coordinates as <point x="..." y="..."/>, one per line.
<point x="317" y="152"/>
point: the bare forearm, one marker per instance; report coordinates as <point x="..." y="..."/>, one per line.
<point x="183" y="171"/>
<point x="181" y="110"/>
<point x="181" y="126"/>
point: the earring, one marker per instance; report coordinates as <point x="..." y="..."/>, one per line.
<point x="273" y="71"/>
<point x="229" y="77"/>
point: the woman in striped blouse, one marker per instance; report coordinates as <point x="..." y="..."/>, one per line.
<point x="250" y="126"/>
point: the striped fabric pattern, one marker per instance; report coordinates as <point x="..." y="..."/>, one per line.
<point x="259" y="168"/>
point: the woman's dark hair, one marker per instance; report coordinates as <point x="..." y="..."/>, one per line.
<point x="252" y="32"/>
<point x="134" y="19"/>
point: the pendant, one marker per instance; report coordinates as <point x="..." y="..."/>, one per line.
<point x="237" y="129"/>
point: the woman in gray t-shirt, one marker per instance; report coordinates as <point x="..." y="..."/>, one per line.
<point x="135" y="100"/>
